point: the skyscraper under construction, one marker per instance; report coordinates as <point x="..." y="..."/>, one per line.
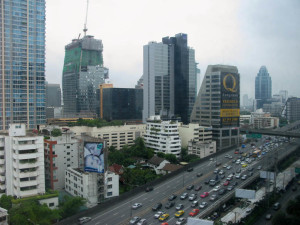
<point x="83" y="72"/>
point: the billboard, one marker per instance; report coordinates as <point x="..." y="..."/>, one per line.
<point x="244" y="193"/>
<point x="230" y="100"/>
<point x="267" y="175"/>
<point x="94" y="157"/>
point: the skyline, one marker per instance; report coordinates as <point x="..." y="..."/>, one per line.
<point x="245" y="34"/>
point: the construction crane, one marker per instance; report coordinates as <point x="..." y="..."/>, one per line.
<point x="86" y="14"/>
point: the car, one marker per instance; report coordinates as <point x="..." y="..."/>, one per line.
<point x="184" y="196"/>
<point x="195" y="204"/>
<point x="216" y="171"/>
<point x="221" y="172"/>
<point x="203" y="205"/>
<point x="236" y="152"/>
<point x="169" y="205"/>
<point x="83" y="220"/>
<point x="190" y="169"/>
<point x="198" y="188"/>
<point x="216" y="188"/>
<point x="194" y="212"/>
<point x="259" y="167"/>
<point x="192" y="197"/>
<point x="199" y="174"/>
<point x="134" y="220"/>
<point x="229" y="188"/>
<point x="268" y="216"/>
<point x="165" y="223"/>
<point x="238" y="176"/>
<point x="225" y="166"/>
<point x="179" y="207"/>
<point x="163" y="217"/>
<point x="136" y="205"/>
<point x="229" y="178"/>
<point x="230" y="157"/>
<point x="142" y="222"/>
<point x="248" y="210"/>
<point x="222" y="176"/>
<point x="172" y="197"/>
<point x="244" y="177"/>
<point x="233" y="161"/>
<point x="179" y="213"/>
<point x="238" y="170"/>
<point x="250" y="174"/>
<point x="150" y="188"/>
<point x="181" y="221"/>
<point x="157" y="206"/>
<point x="226" y="183"/>
<point x="207" y="181"/>
<point x="222" y="191"/>
<point x="276" y="206"/>
<point x="211" y="159"/>
<point x="158" y="214"/>
<point x="245" y="165"/>
<point x="235" y="183"/>
<point x="190" y="187"/>
<point x="250" y="169"/>
<point x="218" y="164"/>
<point x="205" y="194"/>
<point x="228" y="167"/>
<point x="213" y="197"/>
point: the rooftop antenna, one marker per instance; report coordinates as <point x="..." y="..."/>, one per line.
<point x="86" y="14"/>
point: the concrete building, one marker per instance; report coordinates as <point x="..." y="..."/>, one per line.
<point x="201" y="148"/>
<point x="111" y="184"/>
<point x="22" y="172"/>
<point x="162" y="136"/>
<point x="292" y="109"/>
<point x="194" y="132"/>
<point x="3" y="216"/>
<point x="263" y="87"/>
<point x="266" y="122"/>
<point x="22" y="63"/>
<point x="218" y="104"/>
<point x="60" y="153"/>
<point x="117" y="136"/>
<point x="53" y="95"/>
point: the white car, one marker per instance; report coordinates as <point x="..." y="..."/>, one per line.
<point x="203" y="205"/>
<point x="238" y="176"/>
<point x="216" y="188"/>
<point x="83" y="220"/>
<point x="228" y="167"/>
<point x="158" y="214"/>
<point x="142" y="222"/>
<point x="136" y="205"/>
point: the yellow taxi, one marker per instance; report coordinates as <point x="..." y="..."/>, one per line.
<point x="164" y="217"/>
<point x="179" y="213"/>
<point x="245" y="165"/>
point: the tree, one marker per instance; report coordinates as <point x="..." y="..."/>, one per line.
<point x="56" y="132"/>
<point x="171" y="158"/>
<point x="280" y="219"/>
<point x="160" y="154"/>
<point x="293" y="207"/>
<point x="71" y="206"/>
<point x="5" y="202"/>
<point x="184" y="153"/>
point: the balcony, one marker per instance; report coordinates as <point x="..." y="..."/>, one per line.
<point x="26" y="156"/>
<point x="24" y="146"/>
<point x="28" y="174"/>
<point x="28" y="193"/>
<point x="28" y="183"/>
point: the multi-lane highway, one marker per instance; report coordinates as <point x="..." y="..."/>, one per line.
<point x="123" y="212"/>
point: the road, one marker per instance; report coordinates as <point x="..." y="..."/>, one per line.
<point x="121" y="213"/>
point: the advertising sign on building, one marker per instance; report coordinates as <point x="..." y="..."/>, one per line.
<point x="94" y="157"/>
<point x="230" y="100"/>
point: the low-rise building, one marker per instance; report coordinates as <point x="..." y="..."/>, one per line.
<point x="157" y="163"/>
<point x="162" y="136"/>
<point x="265" y="122"/>
<point x="117" y="136"/>
<point x="3" y="216"/>
<point x="202" y="148"/>
<point x="22" y="172"/>
<point x="111" y="184"/>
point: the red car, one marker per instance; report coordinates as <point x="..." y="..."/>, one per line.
<point x="205" y="194"/>
<point x="236" y="152"/>
<point x="194" y="212"/>
<point x="165" y="223"/>
<point x="226" y="183"/>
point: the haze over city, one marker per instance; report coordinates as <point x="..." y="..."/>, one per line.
<point x="247" y="34"/>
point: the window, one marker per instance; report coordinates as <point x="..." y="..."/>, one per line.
<point x="51" y="204"/>
<point x="109" y="186"/>
<point x="109" y="193"/>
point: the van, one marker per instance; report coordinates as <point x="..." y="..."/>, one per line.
<point x="276" y="206"/>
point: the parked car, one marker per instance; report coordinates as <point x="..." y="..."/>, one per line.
<point x="157" y="206"/>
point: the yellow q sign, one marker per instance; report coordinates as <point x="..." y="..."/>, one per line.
<point x="233" y="88"/>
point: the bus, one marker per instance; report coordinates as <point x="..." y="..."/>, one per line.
<point x="256" y="153"/>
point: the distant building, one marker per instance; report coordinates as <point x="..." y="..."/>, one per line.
<point x="202" y="148"/>
<point x="263" y="87"/>
<point x="162" y="136"/>
<point x="292" y="109"/>
<point x="218" y="104"/>
<point x="266" y="122"/>
<point x="53" y="95"/>
<point x="140" y="83"/>
<point x="157" y="163"/>
<point x="111" y="185"/>
<point x="274" y="108"/>
<point x="83" y="72"/>
<point x="121" y="104"/>
<point x="22" y="162"/>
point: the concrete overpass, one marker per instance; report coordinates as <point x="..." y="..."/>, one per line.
<point x="270" y="132"/>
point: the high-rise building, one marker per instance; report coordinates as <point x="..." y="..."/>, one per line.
<point x="121" y="104"/>
<point x="83" y="72"/>
<point x="22" y="62"/>
<point x="263" y="87"/>
<point x="53" y="95"/>
<point x="218" y="104"/>
<point x="292" y="109"/>
<point x="170" y="78"/>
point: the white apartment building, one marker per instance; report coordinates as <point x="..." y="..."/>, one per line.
<point x="194" y="132"/>
<point x="22" y="172"/>
<point x="91" y="186"/>
<point x="266" y="122"/>
<point x="162" y="136"/>
<point x="60" y="153"/>
<point x="111" y="184"/>
<point x="3" y="216"/>
<point x="117" y="136"/>
<point x="202" y="148"/>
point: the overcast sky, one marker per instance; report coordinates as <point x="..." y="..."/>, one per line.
<point x="245" y="33"/>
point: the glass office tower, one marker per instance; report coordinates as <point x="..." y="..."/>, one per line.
<point x="22" y="62"/>
<point x="263" y="87"/>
